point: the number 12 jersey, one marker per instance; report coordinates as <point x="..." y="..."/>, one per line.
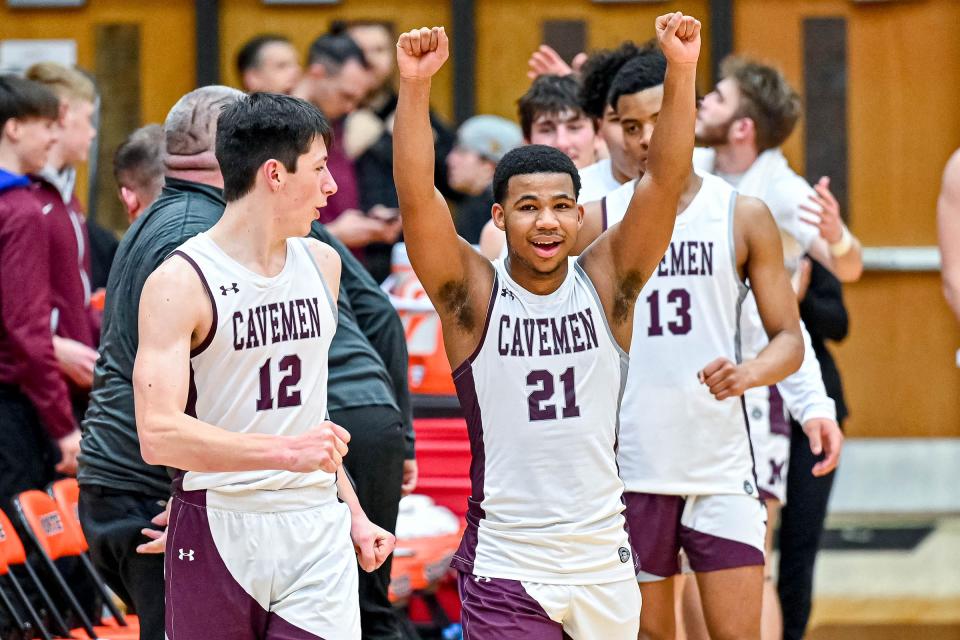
<point x="541" y="395"/>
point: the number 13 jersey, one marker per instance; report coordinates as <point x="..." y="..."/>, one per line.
<point x="263" y="366"/>
<point x="540" y="395"/>
<point x="676" y="438"/>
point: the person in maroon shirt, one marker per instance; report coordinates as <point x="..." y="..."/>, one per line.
<point x="76" y="327"/>
<point x="35" y="408"/>
<point x="336" y="80"/>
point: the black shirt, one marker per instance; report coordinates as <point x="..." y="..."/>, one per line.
<point x="823" y="312"/>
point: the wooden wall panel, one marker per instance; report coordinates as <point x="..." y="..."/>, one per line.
<point x="898" y="361"/>
<point x="904" y="87"/>
<point x="241" y="20"/>
<point x="509" y="31"/>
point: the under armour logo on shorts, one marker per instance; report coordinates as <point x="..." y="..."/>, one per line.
<point x="506" y="292"/>
<point x="186" y="554"/>
<point x="223" y="289"/>
<point x="624" y="555"/>
<point x="481" y="579"/>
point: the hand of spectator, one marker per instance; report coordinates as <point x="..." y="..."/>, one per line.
<point x="421" y="53"/>
<point x="357" y="230"/>
<point x="76" y="360"/>
<point x="679" y="37"/>
<point x="825" y="438"/>
<point x="823" y="212"/>
<point x="546" y="61"/>
<point x="371" y="543"/>
<point x="69" y="450"/>
<point x="801" y="279"/>
<point x="158" y="537"/>
<point x="410" y="473"/>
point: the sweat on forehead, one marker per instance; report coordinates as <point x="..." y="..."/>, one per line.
<point x="531" y="159"/>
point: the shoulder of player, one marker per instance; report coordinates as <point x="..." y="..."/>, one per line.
<point x="175" y="285"/>
<point x="323" y="253"/>
<point x="749" y="210"/>
<point x="951" y="173"/>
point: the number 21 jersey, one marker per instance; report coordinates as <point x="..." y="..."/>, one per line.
<point x="541" y="395"/>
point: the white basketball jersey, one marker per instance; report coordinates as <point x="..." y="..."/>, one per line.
<point x="676" y="438"/>
<point x="263" y="367"/>
<point x="596" y="181"/>
<point x="540" y="395"/>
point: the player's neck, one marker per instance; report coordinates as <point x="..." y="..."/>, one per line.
<point x="690" y="190"/>
<point x="541" y="284"/>
<point x="249" y="234"/>
<point x="9" y="160"/>
<point x="734" y="159"/>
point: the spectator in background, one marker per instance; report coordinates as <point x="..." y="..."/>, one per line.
<point x="138" y="169"/>
<point x="35" y="412"/>
<point x="369" y="135"/>
<point x="481" y="142"/>
<point x="550" y="114"/>
<point x="76" y="327"/>
<point x="268" y="63"/>
<point x="337" y="79"/>
<point x="948" y="227"/>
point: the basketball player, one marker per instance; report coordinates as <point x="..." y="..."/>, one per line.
<point x="948" y="225"/>
<point x="685" y="456"/>
<point x="230" y="386"/>
<point x="537" y="343"/>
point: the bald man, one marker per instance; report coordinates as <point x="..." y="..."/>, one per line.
<point x="120" y="494"/>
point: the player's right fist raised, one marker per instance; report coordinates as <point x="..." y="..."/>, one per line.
<point x="421" y="52"/>
<point x="679" y="37"/>
<point x="322" y="447"/>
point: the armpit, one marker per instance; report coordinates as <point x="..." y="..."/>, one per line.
<point x="455" y="301"/>
<point x="627" y="290"/>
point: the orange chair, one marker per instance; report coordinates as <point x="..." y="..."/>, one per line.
<point x="12" y="554"/>
<point x="45" y="525"/>
<point x="66" y="493"/>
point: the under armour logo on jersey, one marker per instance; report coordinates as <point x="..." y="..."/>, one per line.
<point x="233" y="287"/>
<point x="624" y="555"/>
<point x="479" y="579"/>
<point x="186" y="554"/>
<point x="776" y="472"/>
<point x="506" y="292"/>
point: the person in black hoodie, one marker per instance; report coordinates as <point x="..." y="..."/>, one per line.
<point x="802" y="519"/>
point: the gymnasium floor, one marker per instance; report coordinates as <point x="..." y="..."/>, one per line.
<point x="889" y="594"/>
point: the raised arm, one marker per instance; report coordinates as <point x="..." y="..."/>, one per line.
<point x="175" y="315"/>
<point x="629" y="252"/>
<point x="836" y="248"/>
<point x="948" y="231"/>
<point x="456" y="278"/>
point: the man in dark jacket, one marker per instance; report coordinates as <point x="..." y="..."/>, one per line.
<point x="35" y="414"/>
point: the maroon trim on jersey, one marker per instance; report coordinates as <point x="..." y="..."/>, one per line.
<point x="213" y="304"/>
<point x="603" y="213"/>
<point x="483" y="336"/>
<point x="467" y="392"/>
<point x="778" y="419"/>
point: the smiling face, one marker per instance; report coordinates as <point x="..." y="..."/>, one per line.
<point x="541" y="219"/>
<point x="638" y="116"/>
<point x="304" y="191"/>
<point x="569" y="131"/>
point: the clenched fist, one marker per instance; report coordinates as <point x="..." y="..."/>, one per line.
<point x="421" y="53"/>
<point x="679" y="37"/>
<point x="322" y="447"/>
<point x="725" y="379"/>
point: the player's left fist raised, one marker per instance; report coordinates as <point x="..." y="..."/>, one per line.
<point x="421" y="52"/>
<point x="725" y="379"/>
<point x="372" y="544"/>
<point x="679" y="37"/>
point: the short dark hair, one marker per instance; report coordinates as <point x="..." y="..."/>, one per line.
<point x="550" y="95"/>
<point x="260" y="127"/>
<point x="532" y="158"/>
<point x="249" y="55"/>
<point x="598" y="72"/>
<point x="335" y="50"/>
<point x="766" y="98"/>
<point x="644" y="71"/>
<point x="21" y="99"/>
<point x="139" y="158"/>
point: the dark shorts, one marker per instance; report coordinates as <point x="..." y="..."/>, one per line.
<point x="715" y="532"/>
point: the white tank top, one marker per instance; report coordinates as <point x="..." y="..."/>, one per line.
<point x="541" y="395"/>
<point x="676" y="438"/>
<point x="263" y="367"/>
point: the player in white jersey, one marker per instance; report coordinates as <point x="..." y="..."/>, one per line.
<point x="537" y="347"/>
<point x="685" y="452"/>
<point x="230" y="384"/>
